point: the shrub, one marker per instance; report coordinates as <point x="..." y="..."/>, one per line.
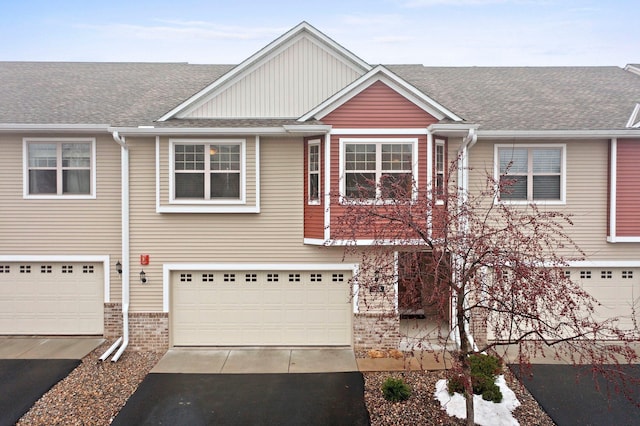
<point x="395" y="390"/>
<point x="484" y="371"/>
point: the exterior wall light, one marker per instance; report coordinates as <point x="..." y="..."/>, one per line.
<point x="143" y="277"/>
<point x="119" y="267"/>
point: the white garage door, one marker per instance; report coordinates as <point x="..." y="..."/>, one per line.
<point x="617" y="289"/>
<point x="51" y="298"/>
<point x="293" y="308"/>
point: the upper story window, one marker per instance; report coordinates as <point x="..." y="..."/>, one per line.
<point x="314" y="172"/>
<point x="532" y="173"/>
<point x="59" y="168"/>
<point x="439" y="169"/>
<point x="381" y="169"/>
<point x="208" y="171"/>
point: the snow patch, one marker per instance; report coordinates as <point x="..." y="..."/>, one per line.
<point x="487" y="413"/>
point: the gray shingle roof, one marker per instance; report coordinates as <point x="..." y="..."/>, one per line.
<point x="97" y="93"/>
<point x="133" y="94"/>
<point x="531" y="98"/>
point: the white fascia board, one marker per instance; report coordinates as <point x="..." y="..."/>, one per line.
<point x="617" y="239"/>
<point x="310" y="129"/>
<point x="632" y="68"/>
<point x="461" y="129"/>
<point x="557" y="134"/>
<point x="380" y="73"/>
<point x="634" y="118"/>
<point x="182" y="131"/>
<point x="632" y="263"/>
<point x="258" y="58"/>
<point x="47" y="128"/>
<point x="167" y="268"/>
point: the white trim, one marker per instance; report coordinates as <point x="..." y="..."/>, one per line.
<point x="327" y="186"/>
<point x="314" y="143"/>
<point x="314" y="241"/>
<point x="557" y="134"/>
<point x="613" y="202"/>
<point x="563" y="172"/>
<point x="634" y="118"/>
<point x="429" y="181"/>
<point x="364" y="140"/>
<point x="167" y="268"/>
<point x="311" y="130"/>
<point x="258" y="181"/>
<point x="104" y="259"/>
<point x="158" y="192"/>
<point x="208" y="209"/>
<point x="47" y="128"/>
<point x="396" y="278"/>
<point x="380" y="73"/>
<point x="58" y="140"/>
<point x="604" y="264"/>
<point x="259" y="58"/>
<point x="370" y="242"/>
<point x="618" y="239"/>
<point x="381" y="131"/>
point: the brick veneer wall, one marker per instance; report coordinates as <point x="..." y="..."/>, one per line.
<point x="376" y="331"/>
<point x="148" y="331"/>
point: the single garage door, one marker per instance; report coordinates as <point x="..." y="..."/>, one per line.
<point x="247" y="308"/>
<point x="617" y="290"/>
<point x="51" y="298"/>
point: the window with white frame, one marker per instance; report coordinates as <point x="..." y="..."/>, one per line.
<point x="439" y="169"/>
<point x="56" y="167"/>
<point x="314" y="172"/>
<point x="378" y="169"/>
<point x="209" y="170"/>
<point x="534" y="173"/>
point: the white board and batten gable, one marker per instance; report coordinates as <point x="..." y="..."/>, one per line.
<point x="286" y="79"/>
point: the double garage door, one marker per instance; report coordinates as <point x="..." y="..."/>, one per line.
<point x="51" y="298"/>
<point x="251" y="308"/>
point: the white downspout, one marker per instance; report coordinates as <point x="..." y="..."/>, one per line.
<point x="463" y="188"/>
<point x="124" y="166"/>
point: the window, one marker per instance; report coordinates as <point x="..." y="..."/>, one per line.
<point x="531" y="173"/>
<point x="314" y="172"/>
<point x="378" y="169"/>
<point x="56" y="167"/>
<point x="439" y="171"/>
<point x="208" y="171"/>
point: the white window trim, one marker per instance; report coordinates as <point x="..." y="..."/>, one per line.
<point x="439" y="143"/>
<point x="314" y="142"/>
<point x="25" y="169"/>
<point x="563" y="172"/>
<point x="243" y="171"/>
<point x="414" y="165"/>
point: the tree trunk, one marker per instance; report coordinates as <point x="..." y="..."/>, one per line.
<point x="463" y="358"/>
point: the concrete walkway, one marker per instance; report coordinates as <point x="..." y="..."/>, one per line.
<point x="256" y="360"/>
<point x="48" y="347"/>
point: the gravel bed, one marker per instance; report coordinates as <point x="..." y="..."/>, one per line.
<point x="423" y="409"/>
<point x="94" y="393"/>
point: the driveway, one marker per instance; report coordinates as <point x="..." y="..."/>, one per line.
<point x="250" y="386"/>
<point x="29" y="367"/>
<point x="568" y="394"/>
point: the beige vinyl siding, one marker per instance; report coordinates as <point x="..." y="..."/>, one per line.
<point x="275" y="235"/>
<point x="287" y="85"/>
<point x="586" y="197"/>
<point x="249" y="178"/>
<point x="61" y="226"/>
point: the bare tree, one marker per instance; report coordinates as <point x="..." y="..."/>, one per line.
<point x="496" y="271"/>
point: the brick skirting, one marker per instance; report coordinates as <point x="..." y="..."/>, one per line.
<point x="376" y="331"/>
<point x="148" y="331"/>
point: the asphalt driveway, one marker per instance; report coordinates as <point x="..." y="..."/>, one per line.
<point x="569" y="395"/>
<point x="29" y="367"/>
<point x="256" y="399"/>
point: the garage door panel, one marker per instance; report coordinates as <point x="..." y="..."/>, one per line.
<point x="52" y="298"/>
<point x="262" y="308"/>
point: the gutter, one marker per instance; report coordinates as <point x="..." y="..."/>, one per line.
<point x="123" y="341"/>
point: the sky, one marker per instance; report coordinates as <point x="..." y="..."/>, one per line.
<point x="429" y="32"/>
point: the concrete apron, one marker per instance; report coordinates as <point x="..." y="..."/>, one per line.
<point x="256" y="360"/>
<point x="48" y="347"/>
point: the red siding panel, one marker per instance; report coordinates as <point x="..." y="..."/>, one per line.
<point x="627" y="192"/>
<point x="313" y="214"/>
<point x="379" y="106"/>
